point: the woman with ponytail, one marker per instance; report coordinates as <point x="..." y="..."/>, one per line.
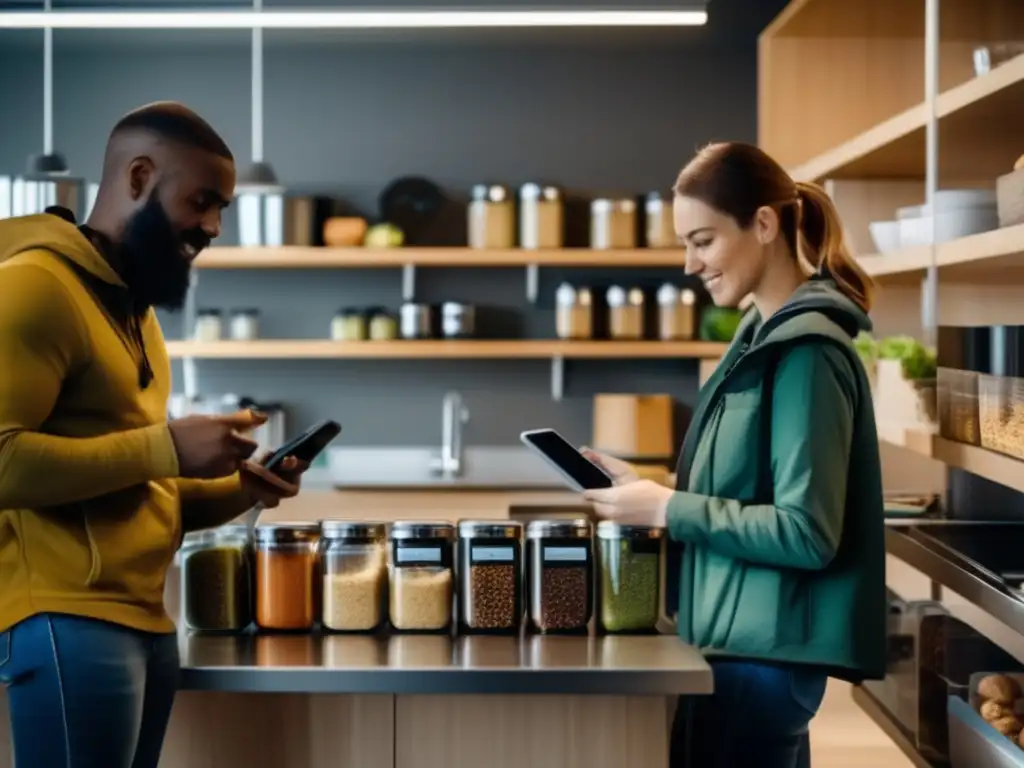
<point x="778" y="506"/>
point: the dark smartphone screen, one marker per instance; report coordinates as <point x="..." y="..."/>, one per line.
<point x="306" y="446"/>
<point x="587" y="474"/>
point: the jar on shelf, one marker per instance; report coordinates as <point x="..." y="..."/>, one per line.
<point x="287" y="576"/>
<point x="541" y="217"/>
<point x="355" y="574"/>
<point x="422" y="576"/>
<point x="629" y="578"/>
<point x="964" y="354"/>
<point x="416" y="321"/>
<point x="490" y="577"/>
<point x="574" y="312"/>
<point x="559" y="575"/>
<point x="677" y="313"/>
<point x="492" y="217"/>
<point x="1001" y="394"/>
<point x="209" y="326"/>
<point x="383" y="326"/>
<point x="245" y="324"/>
<point x="348" y="325"/>
<point x="659" y="227"/>
<point x="625" y="313"/>
<point x="217" y="580"/>
<point x="612" y="224"/>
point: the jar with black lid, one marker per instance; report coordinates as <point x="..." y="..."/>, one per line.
<point x="422" y="576"/>
<point x="1001" y="393"/>
<point x="629" y="578"/>
<point x="964" y="354"/>
<point x="560" y="576"/>
<point x="490" y="576"/>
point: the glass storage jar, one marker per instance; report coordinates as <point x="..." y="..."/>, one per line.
<point x="490" y="576"/>
<point x="208" y="326"/>
<point x="629" y="580"/>
<point x="217" y="580"/>
<point x="422" y="576"/>
<point x="541" y="217"/>
<point x="560" y="575"/>
<point x="353" y="558"/>
<point x="348" y="325"/>
<point x="574" y="312"/>
<point x="625" y="313"/>
<point x="287" y="576"/>
<point x="245" y="324"/>
<point x="1001" y="394"/>
<point x="659" y="227"/>
<point x="492" y="217"/>
<point x="964" y="353"/>
<point x="613" y="224"/>
<point x="677" y="313"/>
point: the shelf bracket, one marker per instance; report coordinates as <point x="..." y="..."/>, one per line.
<point x="532" y="282"/>
<point x="188" y="364"/>
<point x="557" y="378"/>
<point x="408" y="282"/>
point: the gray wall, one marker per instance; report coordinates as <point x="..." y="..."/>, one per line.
<point x="345" y="114"/>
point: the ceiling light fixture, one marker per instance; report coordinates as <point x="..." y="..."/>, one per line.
<point x="393" y="19"/>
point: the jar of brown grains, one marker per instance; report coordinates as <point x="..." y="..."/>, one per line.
<point x="560" y="575"/>
<point x="490" y="576"/>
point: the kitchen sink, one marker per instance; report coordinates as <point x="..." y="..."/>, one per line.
<point x="483" y="467"/>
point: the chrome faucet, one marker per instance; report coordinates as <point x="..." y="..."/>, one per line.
<point x="453" y="415"/>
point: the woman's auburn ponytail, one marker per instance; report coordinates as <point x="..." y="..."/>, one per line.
<point x="823" y="244"/>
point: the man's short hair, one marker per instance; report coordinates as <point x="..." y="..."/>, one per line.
<point x="174" y="122"/>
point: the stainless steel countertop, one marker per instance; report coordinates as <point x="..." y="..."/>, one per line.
<point x="423" y="664"/>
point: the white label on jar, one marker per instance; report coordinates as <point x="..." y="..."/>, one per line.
<point x="419" y="554"/>
<point x="492" y="554"/>
<point x="565" y="554"/>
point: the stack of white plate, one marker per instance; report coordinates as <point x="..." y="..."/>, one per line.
<point x="961" y="213"/>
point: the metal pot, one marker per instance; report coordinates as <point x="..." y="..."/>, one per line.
<point x="458" y="321"/>
<point x="417" y="321"/>
<point x="269" y="217"/>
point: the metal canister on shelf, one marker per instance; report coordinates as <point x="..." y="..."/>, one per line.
<point x="677" y="313"/>
<point x="416" y="321"/>
<point x="492" y="217"/>
<point x="612" y="224"/>
<point x="458" y="321"/>
<point x="574" y="312"/>
<point x="659" y="229"/>
<point x="625" y="313"/>
<point x="541" y="217"/>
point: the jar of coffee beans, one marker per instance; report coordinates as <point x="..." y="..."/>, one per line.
<point x="490" y="577"/>
<point x="560" y="576"/>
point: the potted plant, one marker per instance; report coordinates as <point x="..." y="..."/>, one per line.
<point x="906" y="372"/>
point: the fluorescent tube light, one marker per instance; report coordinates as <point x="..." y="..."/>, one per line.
<point x="395" y="19"/>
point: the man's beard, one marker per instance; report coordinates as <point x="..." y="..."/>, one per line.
<point x="156" y="267"/>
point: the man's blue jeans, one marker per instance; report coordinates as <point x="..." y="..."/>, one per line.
<point x="87" y="694"/>
<point x="757" y="716"/>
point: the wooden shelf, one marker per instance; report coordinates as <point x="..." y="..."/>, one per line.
<point x="289" y="257"/>
<point x="450" y="350"/>
<point x="996" y="256"/>
<point x="979" y="114"/>
<point x="978" y="461"/>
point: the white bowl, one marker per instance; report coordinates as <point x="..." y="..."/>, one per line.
<point x="886" y="235"/>
<point x="949" y="225"/>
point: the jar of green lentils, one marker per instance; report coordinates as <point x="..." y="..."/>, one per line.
<point x="217" y="580"/>
<point x="629" y="578"/>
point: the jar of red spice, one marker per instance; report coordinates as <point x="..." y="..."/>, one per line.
<point x="287" y="576"/>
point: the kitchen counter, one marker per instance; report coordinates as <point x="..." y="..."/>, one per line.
<point x="424" y="664"/>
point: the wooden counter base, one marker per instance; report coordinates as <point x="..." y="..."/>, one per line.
<point x="239" y="730"/>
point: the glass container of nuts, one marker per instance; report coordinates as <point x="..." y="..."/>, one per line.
<point x="1001" y="394"/>
<point x="422" y="576"/>
<point x="629" y="578"/>
<point x="560" y="576"/>
<point x="490" y="576"/>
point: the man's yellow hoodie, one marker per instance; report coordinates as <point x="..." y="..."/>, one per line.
<point x="91" y="508"/>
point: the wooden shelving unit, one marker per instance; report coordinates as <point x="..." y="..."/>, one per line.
<point x="512" y="349"/>
<point x="289" y="257"/>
